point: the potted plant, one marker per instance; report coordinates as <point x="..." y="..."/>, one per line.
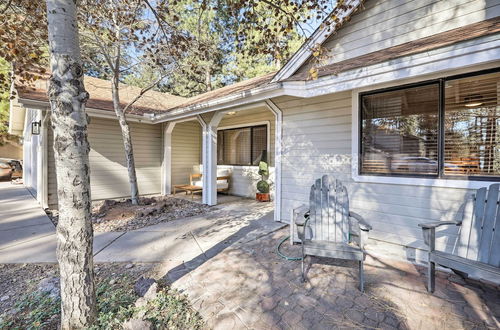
<point x="263" y="185"/>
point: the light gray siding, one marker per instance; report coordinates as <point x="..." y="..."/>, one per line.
<point x="245" y="178"/>
<point x="317" y="141"/>
<point x="386" y="23"/>
<point x="108" y="171"/>
<point x="186" y="151"/>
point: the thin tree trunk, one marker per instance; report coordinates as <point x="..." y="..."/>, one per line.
<point x="127" y="141"/>
<point x="67" y="97"/>
<point x="208" y="79"/>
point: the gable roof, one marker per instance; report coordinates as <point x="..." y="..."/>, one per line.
<point x="443" y="39"/>
<point x="323" y="32"/>
<point x="101" y="98"/>
<point x="265" y="84"/>
<point x="237" y="88"/>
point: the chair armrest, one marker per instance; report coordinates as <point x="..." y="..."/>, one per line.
<point x="300" y="219"/>
<point x="432" y="225"/>
<point x="363" y="225"/>
<point x="300" y="215"/>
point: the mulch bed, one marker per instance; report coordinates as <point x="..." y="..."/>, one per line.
<point x="122" y="215"/>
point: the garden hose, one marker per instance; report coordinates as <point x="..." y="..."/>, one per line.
<point x="284" y="256"/>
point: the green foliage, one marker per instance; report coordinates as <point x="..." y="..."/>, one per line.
<point x="263" y="168"/>
<point x="263" y="187"/>
<point x="218" y="55"/>
<point x="170" y="310"/>
<point x="115" y="305"/>
<point x="34" y="311"/>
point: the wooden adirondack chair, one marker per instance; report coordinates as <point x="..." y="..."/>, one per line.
<point x="477" y="251"/>
<point x="325" y="226"/>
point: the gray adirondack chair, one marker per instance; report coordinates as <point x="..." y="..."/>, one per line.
<point x="325" y="226"/>
<point x="477" y="252"/>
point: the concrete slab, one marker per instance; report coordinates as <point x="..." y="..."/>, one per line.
<point x="149" y="247"/>
<point x="43" y="248"/>
<point x="14" y="236"/>
<point x="39" y="249"/>
<point x="26" y="233"/>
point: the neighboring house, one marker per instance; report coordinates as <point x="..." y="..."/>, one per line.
<point x="405" y="111"/>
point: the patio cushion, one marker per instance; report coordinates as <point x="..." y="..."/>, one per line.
<point x="221" y="184"/>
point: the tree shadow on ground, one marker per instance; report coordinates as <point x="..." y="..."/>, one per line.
<point x="244" y="283"/>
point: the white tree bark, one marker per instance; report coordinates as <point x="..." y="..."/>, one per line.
<point x="127" y="140"/>
<point x="67" y="97"/>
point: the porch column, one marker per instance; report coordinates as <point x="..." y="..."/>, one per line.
<point x="210" y="158"/>
<point x="43" y="182"/>
<point x="277" y="157"/>
<point x="166" y="177"/>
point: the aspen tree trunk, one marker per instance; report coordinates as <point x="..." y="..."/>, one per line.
<point x="127" y="141"/>
<point x="67" y="97"/>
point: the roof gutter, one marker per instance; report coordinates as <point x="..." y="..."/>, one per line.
<point x="225" y="102"/>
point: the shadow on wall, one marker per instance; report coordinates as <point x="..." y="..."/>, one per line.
<point x="393" y="25"/>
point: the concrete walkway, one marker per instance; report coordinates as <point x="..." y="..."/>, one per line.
<point x="28" y="236"/>
<point x="26" y="233"/>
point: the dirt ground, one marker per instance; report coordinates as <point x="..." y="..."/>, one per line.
<point x="16" y="280"/>
<point x="122" y="215"/>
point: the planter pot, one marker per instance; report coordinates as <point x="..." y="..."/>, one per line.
<point x="263" y="197"/>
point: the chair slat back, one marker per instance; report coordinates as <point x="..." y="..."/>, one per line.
<point x="329" y="210"/>
<point x="479" y="237"/>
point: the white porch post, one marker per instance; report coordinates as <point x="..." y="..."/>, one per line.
<point x="277" y="157"/>
<point x="43" y="181"/>
<point x="166" y="186"/>
<point x="210" y="159"/>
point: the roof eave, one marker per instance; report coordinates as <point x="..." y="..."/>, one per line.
<point x="228" y="101"/>
<point x="94" y="112"/>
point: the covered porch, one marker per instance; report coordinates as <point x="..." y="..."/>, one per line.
<point x="215" y="155"/>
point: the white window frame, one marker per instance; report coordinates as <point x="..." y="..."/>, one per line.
<point x="268" y="139"/>
<point x="412" y="181"/>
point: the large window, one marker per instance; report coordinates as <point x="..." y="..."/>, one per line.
<point x="444" y="128"/>
<point x="242" y="146"/>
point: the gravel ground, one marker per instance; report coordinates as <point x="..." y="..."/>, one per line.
<point x="121" y="215"/>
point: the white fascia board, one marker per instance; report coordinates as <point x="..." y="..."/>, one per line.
<point x="92" y="112"/>
<point x="259" y="94"/>
<point x="318" y="37"/>
<point x="413" y="66"/>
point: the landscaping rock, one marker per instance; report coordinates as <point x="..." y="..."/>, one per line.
<point x="136" y="324"/>
<point x="152" y="291"/>
<point x="51" y="286"/>
<point x="128" y="266"/>
<point x="142" y="285"/>
<point x="4" y="298"/>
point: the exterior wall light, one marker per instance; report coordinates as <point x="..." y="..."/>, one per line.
<point x="35" y="127"/>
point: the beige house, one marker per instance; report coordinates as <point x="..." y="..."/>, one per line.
<point x="405" y="111"/>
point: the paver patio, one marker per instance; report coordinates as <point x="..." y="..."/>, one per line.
<point x="247" y="285"/>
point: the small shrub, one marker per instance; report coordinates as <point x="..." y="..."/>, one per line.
<point x="170" y="310"/>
